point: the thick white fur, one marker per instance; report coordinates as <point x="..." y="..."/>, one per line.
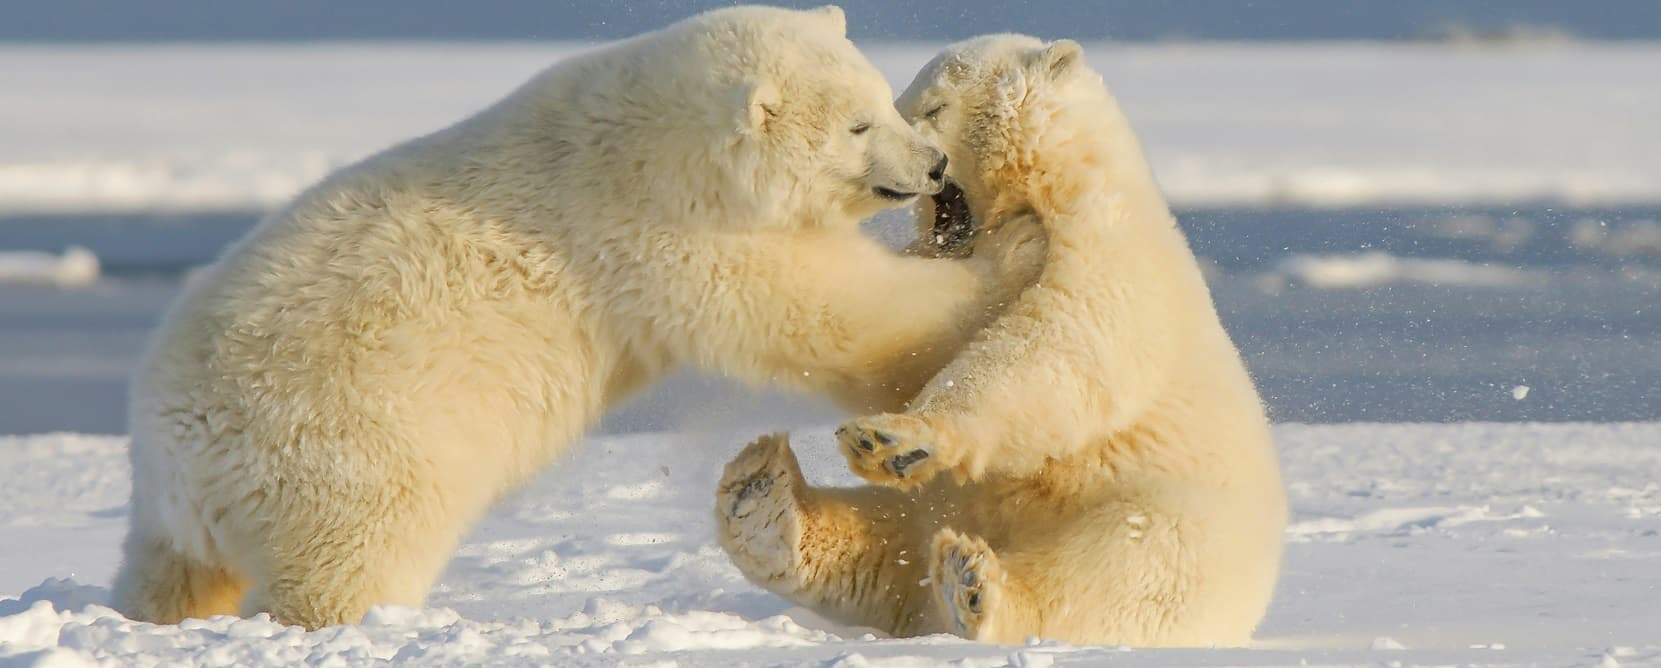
<point x="325" y="411"/>
<point x="1113" y="478"/>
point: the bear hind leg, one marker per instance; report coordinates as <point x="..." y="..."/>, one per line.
<point x="841" y="552"/>
<point x="160" y="585"/>
<point x="758" y="514"/>
<point x="334" y="592"/>
<point x="328" y="566"/>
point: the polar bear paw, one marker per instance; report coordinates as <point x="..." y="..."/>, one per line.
<point x="758" y="514"/>
<point x="895" y="450"/>
<point x="968" y="580"/>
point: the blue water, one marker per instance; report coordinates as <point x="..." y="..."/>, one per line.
<point x="1234" y="239"/>
<point x="152" y="20"/>
<point x="1586" y="342"/>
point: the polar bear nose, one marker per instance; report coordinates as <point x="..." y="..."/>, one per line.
<point x="939" y="172"/>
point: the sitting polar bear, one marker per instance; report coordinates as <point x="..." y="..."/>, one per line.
<point x="326" y="410"/>
<point x="1112" y="477"/>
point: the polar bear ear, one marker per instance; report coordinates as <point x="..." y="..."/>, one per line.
<point x="760" y="100"/>
<point x="1056" y="58"/>
<point x="1012" y="89"/>
<point x="833" y="18"/>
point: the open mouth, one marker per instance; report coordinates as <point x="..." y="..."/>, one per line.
<point x="890" y="193"/>
<point x="953" y="226"/>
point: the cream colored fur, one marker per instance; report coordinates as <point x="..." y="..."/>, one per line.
<point x="1111" y="476"/>
<point x="326" y="410"/>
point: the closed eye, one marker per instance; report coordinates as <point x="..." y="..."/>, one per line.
<point x="935" y="112"/>
<point x="860" y="128"/>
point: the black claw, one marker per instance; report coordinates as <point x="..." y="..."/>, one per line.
<point x="866" y="444"/>
<point x="884" y="439"/>
<point x="899" y="463"/>
<point x="761" y="484"/>
<point x="974" y="602"/>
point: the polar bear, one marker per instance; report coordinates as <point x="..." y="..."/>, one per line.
<point x="325" y="411"/>
<point x="1112" y="477"/>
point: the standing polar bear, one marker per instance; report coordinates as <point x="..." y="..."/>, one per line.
<point x="1112" y="476"/>
<point x="326" y="410"/>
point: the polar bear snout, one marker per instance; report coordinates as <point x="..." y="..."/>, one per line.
<point x="938" y="173"/>
<point x="924" y="174"/>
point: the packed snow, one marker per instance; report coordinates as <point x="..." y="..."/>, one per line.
<point x="1474" y="544"/>
<point x="223" y="126"/>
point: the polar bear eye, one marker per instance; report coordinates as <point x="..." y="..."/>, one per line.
<point x="935" y="112"/>
<point x="860" y="128"/>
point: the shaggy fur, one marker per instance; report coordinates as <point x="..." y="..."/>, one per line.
<point x="1110" y="472"/>
<point x="327" y="409"/>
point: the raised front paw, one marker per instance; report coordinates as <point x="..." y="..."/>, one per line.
<point x="896" y="450"/>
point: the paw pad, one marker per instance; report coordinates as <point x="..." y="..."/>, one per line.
<point x="899" y="463"/>
<point x="757" y="514"/>
<point x="966" y="574"/>
<point x="890" y="449"/>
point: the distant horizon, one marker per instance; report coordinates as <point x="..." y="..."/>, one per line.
<point x="302" y="21"/>
<point x="1523" y="37"/>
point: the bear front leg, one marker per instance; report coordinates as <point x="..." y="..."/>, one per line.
<point x="896" y="450"/>
<point x="848" y="554"/>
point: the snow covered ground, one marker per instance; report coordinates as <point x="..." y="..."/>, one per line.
<point x="245" y="126"/>
<point x="1471" y="544"/>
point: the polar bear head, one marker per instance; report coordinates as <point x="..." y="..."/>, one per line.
<point x="802" y="126"/>
<point x="994" y="104"/>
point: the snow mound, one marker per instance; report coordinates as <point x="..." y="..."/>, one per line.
<point x="1367" y="270"/>
<point x="227" y="180"/>
<point x="76" y="267"/>
<point x="1640" y="238"/>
